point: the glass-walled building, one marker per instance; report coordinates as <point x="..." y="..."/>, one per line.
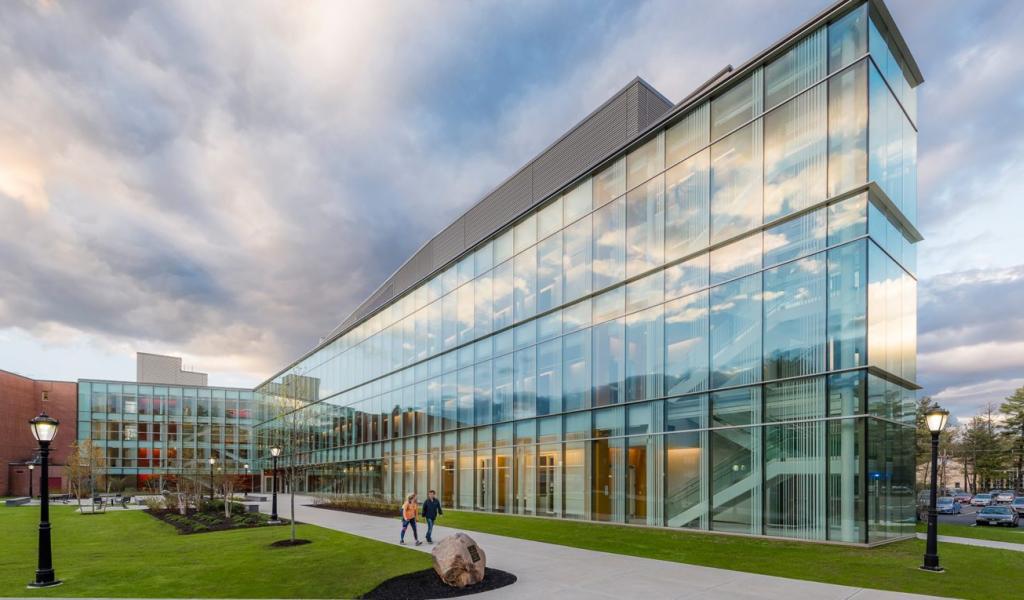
<point x="712" y="327"/>
<point x="149" y="434"/>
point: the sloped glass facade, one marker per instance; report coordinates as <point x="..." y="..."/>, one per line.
<point x="714" y="330"/>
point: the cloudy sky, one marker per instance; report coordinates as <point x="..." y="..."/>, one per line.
<point x="226" y="185"/>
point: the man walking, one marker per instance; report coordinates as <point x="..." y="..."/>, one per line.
<point x="431" y="511"/>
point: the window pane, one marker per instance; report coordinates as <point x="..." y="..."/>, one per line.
<point x="794" y="318"/>
<point x="526" y="233"/>
<point x="686" y="344"/>
<point x="549" y="219"/>
<point x="503" y="286"/>
<point x="526" y="284"/>
<point x="503" y="247"/>
<point x="576" y="370"/>
<point x="644" y="345"/>
<point x="645" y="162"/>
<point x="686" y="206"/>
<point x="645" y="222"/>
<point x="466" y="397"/>
<point x="610" y="183"/>
<point x="847" y="129"/>
<point x="687" y="136"/>
<point x="482" y="393"/>
<point x="795" y="481"/>
<point x="848" y="39"/>
<point x="795" y="238"/>
<point x="847" y="306"/>
<point x="739" y="258"/>
<point x="794" y="154"/>
<point x="847" y="219"/>
<point x="525" y="404"/>
<point x="482" y="311"/>
<point x="736" y="332"/>
<point x="576" y="247"/>
<point x="577" y="201"/>
<point x="465" y="313"/>
<point x="736" y="461"/>
<point x="549" y="273"/>
<point x="503" y="388"/>
<point x="686" y="277"/>
<point x="549" y="377"/>
<point x="735" y="107"/>
<point x="609" y="362"/>
<point x="736" y="183"/>
<point x="610" y="244"/>
<point x="686" y="481"/>
<point x="645" y="292"/>
<point x="793" y="72"/>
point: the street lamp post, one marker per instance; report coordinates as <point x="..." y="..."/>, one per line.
<point x="44" y="429"/>
<point x="213" y="461"/>
<point x="275" y="451"/>
<point x="248" y="480"/>
<point x="936" y="419"/>
<point x="31" y="469"/>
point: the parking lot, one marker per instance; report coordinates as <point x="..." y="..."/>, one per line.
<point x="966" y="517"/>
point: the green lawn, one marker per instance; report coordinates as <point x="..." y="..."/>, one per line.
<point x="890" y="567"/>
<point x="129" y="553"/>
<point x="999" y="534"/>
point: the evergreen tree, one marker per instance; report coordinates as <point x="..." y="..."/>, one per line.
<point x="1013" y="432"/>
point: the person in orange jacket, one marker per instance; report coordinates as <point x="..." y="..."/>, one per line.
<point x="409" y="510"/>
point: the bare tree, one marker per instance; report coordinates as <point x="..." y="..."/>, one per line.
<point x="293" y="393"/>
<point x="84" y="469"/>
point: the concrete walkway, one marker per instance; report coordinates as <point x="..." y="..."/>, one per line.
<point x="976" y="542"/>
<point x="547" y="570"/>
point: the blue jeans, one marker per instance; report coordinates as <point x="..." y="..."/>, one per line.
<point x="430" y="528"/>
<point x="406" y="523"/>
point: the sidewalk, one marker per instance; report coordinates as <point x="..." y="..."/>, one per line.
<point x="976" y="542"/>
<point x="548" y="570"/>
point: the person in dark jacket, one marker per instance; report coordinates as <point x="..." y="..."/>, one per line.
<point x="431" y="511"/>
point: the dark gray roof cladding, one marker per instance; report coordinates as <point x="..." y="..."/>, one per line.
<point x="614" y="123"/>
<point x="607" y="127"/>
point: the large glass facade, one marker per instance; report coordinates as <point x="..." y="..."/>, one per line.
<point x="715" y="330"/>
<point x="149" y="434"/>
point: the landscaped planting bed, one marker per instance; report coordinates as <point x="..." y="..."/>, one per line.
<point x="208" y="520"/>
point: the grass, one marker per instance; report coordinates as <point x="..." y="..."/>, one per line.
<point x="132" y="554"/>
<point x="998" y="534"/>
<point x="890" y="567"/>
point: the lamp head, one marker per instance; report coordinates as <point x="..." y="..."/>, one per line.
<point x="936" y="419"/>
<point x="275" y="451"/>
<point x="44" y="427"/>
<point x="212" y="461"/>
<point x="31" y="467"/>
<point x="246" y="467"/>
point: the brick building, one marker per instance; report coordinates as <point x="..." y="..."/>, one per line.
<point x="22" y="398"/>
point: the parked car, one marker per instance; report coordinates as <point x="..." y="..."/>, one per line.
<point x="962" y="497"/>
<point x="981" y="500"/>
<point x="997" y="515"/>
<point x="1018" y="505"/>
<point x="947" y="505"/>
<point x="1004" y="497"/>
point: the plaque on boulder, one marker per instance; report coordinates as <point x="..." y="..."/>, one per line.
<point x="459" y="561"/>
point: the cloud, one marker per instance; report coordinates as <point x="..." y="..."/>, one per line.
<point x="191" y="178"/>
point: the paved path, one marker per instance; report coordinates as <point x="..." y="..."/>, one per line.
<point x="975" y="542"/>
<point x="548" y="570"/>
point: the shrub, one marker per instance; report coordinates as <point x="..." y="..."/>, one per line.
<point x="358" y="503"/>
<point x="154" y="504"/>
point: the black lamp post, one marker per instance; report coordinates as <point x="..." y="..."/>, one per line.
<point x="44" y="429"/>
<point x="275" y="451"/>
<point x="248" y="479"/>
<point x="31" y="472"/>
<point x="213" y="461"/>
<point x="936" y="419"/>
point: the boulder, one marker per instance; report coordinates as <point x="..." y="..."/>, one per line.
<point x="459" y="561"/>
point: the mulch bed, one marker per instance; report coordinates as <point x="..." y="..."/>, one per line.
<point x="287" y="543"/>
<point x="201" y="522"/>
<point x="367" y="511"/>
<point x="425" y="585"/>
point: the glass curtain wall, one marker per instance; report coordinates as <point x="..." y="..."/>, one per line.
<point x="682" y="339"/>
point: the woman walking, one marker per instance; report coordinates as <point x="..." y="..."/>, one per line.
<point x="409" y="510"/>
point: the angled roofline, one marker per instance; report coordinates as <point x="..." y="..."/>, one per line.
<point x="721" y="79"/>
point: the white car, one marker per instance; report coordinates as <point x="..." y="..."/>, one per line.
<point x="1004" y="497"/>
<point x="982" y="500"/>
